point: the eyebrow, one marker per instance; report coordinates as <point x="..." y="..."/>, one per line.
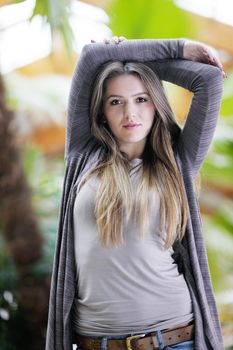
<point x="134" y="95"/>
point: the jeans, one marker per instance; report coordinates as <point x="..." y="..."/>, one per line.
<point x="187" y="345"/>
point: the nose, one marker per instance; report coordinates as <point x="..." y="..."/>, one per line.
<point x="130" y="112"/>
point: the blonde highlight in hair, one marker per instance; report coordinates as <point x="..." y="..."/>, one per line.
<point x="114" y="199"/>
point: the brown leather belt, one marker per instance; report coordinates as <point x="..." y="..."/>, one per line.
<point x="140" y="341"/>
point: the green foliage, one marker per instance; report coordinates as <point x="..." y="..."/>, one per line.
<point x="43" y="99"/>
<point x="13" y="2"/>
<point x="219" y="237"/>
<point x="45" y="177"/>
<point x="8" y="306"/>
<point x="219" y="164"/>
<point x="218" y="184"/>
<point x="227" y="104"/>
<point x="149" y="19"/>
<point x="56" y="13"/>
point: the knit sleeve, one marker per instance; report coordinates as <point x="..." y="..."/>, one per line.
<point x="206" y="83"/>
<point x="78" y="134"/>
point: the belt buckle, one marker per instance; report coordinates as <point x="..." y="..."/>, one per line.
<point x="128" y="340"/>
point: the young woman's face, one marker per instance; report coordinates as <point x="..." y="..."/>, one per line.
<point x="129" y="112"/>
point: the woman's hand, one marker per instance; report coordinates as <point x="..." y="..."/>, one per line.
<point x="195" y="51"/>
<point x="113" y="40"/>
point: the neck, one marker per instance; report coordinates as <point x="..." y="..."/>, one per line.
<point x="133" y="150"/>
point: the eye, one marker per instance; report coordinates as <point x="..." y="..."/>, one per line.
<point x="142" y="99"/>
<point x="115" y="102"/>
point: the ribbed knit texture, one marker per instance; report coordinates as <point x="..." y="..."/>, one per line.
<point x="83" y="152"/>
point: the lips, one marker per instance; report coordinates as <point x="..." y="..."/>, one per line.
<point x="131" y="125"/>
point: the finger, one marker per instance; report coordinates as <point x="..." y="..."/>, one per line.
<point x="224" y="74"/>
<point x="207" y="57"/>
<point x="115" y="40"/>
<point x="215" y="61"/>
<point x="122" y="38"/>
<point x="106" y="41"/>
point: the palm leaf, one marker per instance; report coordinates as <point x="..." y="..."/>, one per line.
<point x="149" y="19"/>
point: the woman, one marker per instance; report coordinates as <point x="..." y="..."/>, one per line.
<point x="130" y="269"/>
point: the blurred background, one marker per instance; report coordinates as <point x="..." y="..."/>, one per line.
<point x="40" y="43"/>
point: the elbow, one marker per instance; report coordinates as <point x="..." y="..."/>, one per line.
<point x="216" y="80"/>
<point x="89" y="57"/>
<point x="86" y="52"/>
<point x="91" y="50"/>
<point x="214" y="77"/>
<point x="209" y="80"/>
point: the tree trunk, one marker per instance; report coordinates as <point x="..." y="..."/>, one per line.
<point x="24" y="242"/>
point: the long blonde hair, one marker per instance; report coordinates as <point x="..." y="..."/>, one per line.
<point x="159" y="172"/>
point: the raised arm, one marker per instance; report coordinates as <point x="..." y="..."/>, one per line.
<point x="206" y="82"/>
<point x="78" y="137"/>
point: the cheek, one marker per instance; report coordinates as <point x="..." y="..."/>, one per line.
<point x="113" y="117"/>
<point x="110" y="114"/>
<point x="150" y="114"/>
<point x="112" y="121"/>
<point x="112" y="124"/>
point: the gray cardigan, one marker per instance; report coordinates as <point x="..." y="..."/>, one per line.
<point x="83" y="152"/>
